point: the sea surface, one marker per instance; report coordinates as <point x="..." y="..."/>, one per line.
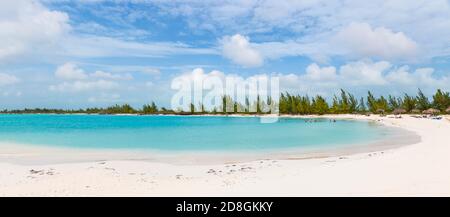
<point x="187" y="133"/>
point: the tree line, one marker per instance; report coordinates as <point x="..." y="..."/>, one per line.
<point x="342" y="103"/>
<point x="346" y="103"/>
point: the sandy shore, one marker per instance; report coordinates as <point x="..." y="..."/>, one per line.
<point x="420" y="169"/>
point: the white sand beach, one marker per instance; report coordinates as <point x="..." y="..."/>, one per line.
<point x="420" y="169"/>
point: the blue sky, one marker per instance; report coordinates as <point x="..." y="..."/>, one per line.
<point x="70" y="54"/>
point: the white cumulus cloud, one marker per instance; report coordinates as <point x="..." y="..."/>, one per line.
<point x="314" y="72"/>
<point x="239" y="50"/>
<point x="28" y="26"/>
<point x="70" y="71"/>
<point x="77" y="80"/>
<point x="364" y="72"/>
<point x="362" y="40"/>
<point x="360" y="76"/>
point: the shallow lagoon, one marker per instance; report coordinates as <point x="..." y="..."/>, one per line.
<point x="187" y="133"/>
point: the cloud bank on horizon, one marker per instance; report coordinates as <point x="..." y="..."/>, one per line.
<point x="65" y="53"/>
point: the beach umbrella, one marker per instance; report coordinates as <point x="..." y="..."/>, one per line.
<point x="431" y="111"/>
<point x="448" y="110"/>
<point x="415" y="111"/>
<point x="398" y="111"/>
<point x="434" y="111"/>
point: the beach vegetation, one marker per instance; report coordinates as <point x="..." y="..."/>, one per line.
<point x="342" y="103"/>
<point x="150" y="109"/>
<point x="441" y="100"/>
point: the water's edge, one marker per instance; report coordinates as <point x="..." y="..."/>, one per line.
<point x="31" y="154"/>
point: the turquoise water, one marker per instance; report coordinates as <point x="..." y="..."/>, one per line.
<point x="170" y="133"/>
